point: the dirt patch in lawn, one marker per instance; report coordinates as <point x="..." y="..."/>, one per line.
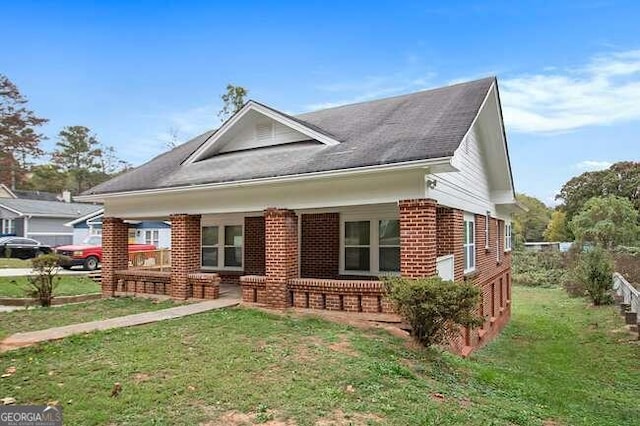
<point x="344" y="347"/>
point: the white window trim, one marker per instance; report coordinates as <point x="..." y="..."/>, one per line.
<point x="508" y="229"/>
<point x="470" y="217"/>
<point x="155" y="237"/>
<point x="8" y="226"/>
<point x="487" y="222"/>
<point x="498" y="239"/>
<point x="374" y="245"/>
<point x="221" y="245"/>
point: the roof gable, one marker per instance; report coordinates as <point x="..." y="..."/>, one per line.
<point x="257" y="126"/>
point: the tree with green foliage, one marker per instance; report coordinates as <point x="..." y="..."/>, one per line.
<point x="232" y="101"/>
<point x="19" y="138"/>
<point x="530" y="225"/>
<point x="593" y="271"/>
<point x="558" y="228"/>
<point x="78" y="153"/>
<point x="48" y="178"/>
<point x="621" y="179"/>
<point x="607" y="221"/>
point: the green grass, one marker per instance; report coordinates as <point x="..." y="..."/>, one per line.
<point x="69" y="285"/>
<point x="6" y="262"/>
<point x="552" y="364"/>
<point x="42" y="318"/>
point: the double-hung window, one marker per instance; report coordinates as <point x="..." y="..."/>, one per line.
<point x="469" y="243"/>
<point x="371" y="246"/>
<point x="8" y="226"/>
<point x="152" y="236"/>
<point x="222" y="246"/>
<point x="507" y="237"/>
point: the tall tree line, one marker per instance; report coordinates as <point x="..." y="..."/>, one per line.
<point x="78" y="161"/>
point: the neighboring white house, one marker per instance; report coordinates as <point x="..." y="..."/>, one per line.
<point x="157" y="233"/>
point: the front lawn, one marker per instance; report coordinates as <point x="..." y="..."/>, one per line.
<point x="70" y="285"/>
<point x="6" y="262"/>
<point x="41" y="318"/>
<point x="558" y="362"/>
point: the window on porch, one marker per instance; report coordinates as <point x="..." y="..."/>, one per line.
<point x="371" y="246"/>
<point x="222" y="247"/>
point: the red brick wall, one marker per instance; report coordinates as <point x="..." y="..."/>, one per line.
<point x="490" y="275"/>
<point x="115" y="250"/>
<point x="254" y="246"/>
<point x="320" y="245"/>
<point x="281" y="253"/>
<point x="185" y="252"/>
<point x="418" y="248"/>
<point x="450" y="236"/>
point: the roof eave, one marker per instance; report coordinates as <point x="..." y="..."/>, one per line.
<point x="444" y="162"/>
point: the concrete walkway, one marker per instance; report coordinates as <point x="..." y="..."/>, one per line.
<point x="19" y="340"/>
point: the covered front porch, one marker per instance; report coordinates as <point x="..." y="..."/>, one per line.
<point x="317" y="258"/>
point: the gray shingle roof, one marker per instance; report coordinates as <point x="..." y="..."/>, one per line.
<point x="417" y="126"/>
<point x="49" y="208"/>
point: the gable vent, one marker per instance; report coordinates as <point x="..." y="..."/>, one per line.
<point x="264" y="132"/>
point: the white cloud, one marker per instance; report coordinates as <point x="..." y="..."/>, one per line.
<point x="603" y="91"/>
<point x="591" y="165"/>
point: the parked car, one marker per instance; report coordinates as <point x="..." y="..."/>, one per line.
<point x="22" y="248"/>
<point x="89" y="253"/>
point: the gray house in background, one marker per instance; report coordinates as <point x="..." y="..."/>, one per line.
<point x="41" y="220"/>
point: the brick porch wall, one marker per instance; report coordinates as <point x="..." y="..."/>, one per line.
<point x="450" y="234"/>
<point x="254" y="246"/>
<point x="115" y="252"/>
<point x="281" y="254"/>
<point x="185" y="252"/>
<point x="320" y="245"/>
<point x="418" y="248"/>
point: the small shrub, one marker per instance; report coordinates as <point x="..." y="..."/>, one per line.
<point x="434" y="308"/>
<point x="538" y="269"/>
<point x="594" y="270"/>
<point x="42" y="285"/>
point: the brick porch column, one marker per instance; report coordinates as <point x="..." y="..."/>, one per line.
<point x="185" y="252"/>
<point x="281" y="254"/>
<point x="115" y="252"/>
<point x="450" y="235"/>
<point x="418" y="249"/>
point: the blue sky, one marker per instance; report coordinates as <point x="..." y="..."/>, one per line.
<point x="136" y="71"/>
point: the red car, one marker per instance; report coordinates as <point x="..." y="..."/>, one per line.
<point x="89" y="253"/>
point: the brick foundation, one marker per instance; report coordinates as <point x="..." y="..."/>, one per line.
<point x="115" y="250"/>
<point x="140" y="281"/>
<point x="254" y="289"/>
<point x="339" y="295"/>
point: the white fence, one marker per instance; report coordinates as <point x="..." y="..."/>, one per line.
<point x="628" y="294"/>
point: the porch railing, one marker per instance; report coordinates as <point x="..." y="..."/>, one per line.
<point x="159" y="260"/>
<point x="629" y="296"/>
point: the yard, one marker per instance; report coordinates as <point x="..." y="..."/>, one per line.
<point x="40" y="318"/>
<point x="69" y="285"/>
<point x="7" y="262"/>
<point x="558" y="362"/>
